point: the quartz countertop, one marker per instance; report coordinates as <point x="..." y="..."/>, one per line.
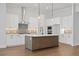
<point x="32" y="35"/>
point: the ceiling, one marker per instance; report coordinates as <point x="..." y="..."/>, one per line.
<point x="30" y="5"/>
<point x="57" y="6"/>
<point x="43" y="6"/>
<point x="46" y="9"/>
<point x="32" y="9"/>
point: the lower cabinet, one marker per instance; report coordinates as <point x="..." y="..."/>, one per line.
<point x="15" y="40"/>
<point x="44" y="42"/>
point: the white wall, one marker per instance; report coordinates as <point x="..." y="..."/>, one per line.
<point x="63" y="12"/>
<point x="76" y="29"/>
<point x="2" y="25"/>
<point x="33" y="24"/>
<point x="76" y="23"/>
<point x="66" y="20"/>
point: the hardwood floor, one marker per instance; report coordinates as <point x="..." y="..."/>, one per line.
<point x="62" y="50"/>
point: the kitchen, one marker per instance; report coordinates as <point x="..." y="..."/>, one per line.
<point x="33" y="25"/>
<point x="23" y="19"/>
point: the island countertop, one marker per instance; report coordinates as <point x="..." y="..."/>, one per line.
<point x="34" y="35"/>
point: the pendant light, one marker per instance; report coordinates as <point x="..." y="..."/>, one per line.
<point x="39" y="11"/>
<point x="52" y="13"/>
<point x="52" y="10"/>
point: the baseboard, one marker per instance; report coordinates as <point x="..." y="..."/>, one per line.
<point x="77" y="44"/>
<point x="15" y="45"/>
<point x="67" y="43"/>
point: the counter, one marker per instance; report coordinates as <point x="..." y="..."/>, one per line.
<point x="15" y="39"/>
<point x="32" y="35"/>
<point x="34" y="42"/>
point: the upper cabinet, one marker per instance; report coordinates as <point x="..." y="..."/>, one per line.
<point x="13" y="15"/>
<point x="67" y="21"/>
<point x="56" y="20"/>
<point x="12" y="20"/>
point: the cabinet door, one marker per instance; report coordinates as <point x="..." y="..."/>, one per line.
<point x="12" y="20"/>
<point x="15" y="40"/>
<point x="28" y="42"/>
<point x="48" y="41"/>
<point x="56" y="29"/>
<point x="35" y="43"/>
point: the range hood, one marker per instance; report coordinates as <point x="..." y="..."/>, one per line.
<point x="23" y="12"/>
<point x="22" y="26"/>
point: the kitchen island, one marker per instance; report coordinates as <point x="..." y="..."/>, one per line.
<point x="34" y="42"/>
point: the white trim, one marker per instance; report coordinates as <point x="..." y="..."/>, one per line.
<point x="66" y="43"/>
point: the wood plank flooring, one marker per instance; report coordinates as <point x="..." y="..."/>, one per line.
<point x="62" y="50"/>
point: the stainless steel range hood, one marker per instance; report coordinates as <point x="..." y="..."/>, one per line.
<point x="22" y="26"/>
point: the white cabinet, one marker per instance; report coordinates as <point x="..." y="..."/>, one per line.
<point x="67" y="21"/>
<point x="56" y="29"/>
<point x="56" y="20"/>
<point x="15" y="40"/>
<point x="2" y="25"/>
<point x="12" y="20"/>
